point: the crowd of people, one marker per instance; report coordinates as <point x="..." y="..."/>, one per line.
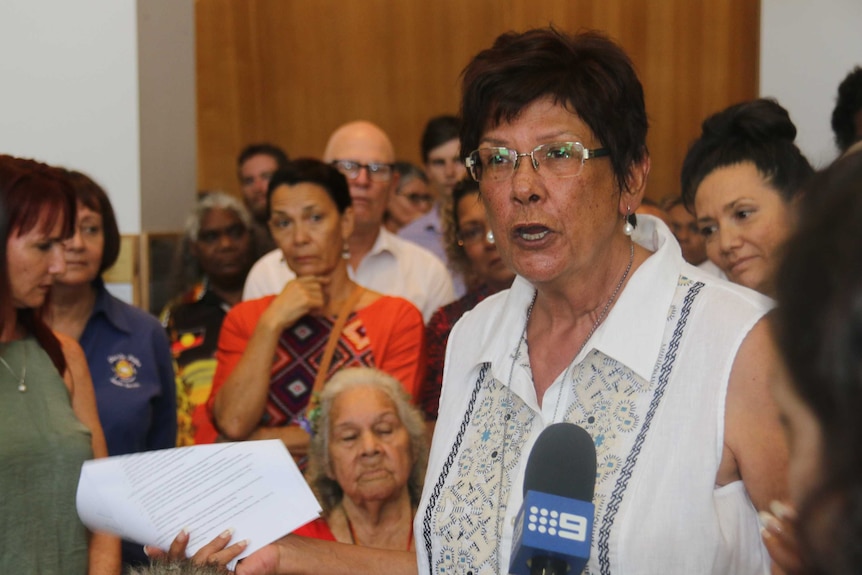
<point x="408" y="331"/>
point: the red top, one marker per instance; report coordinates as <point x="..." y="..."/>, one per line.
<point x="317" y="529"/>
<point x="387" y="334"/>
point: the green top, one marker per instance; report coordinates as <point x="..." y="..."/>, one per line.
<point x="42" y="448"/>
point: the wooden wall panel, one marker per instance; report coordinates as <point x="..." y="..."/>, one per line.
<point x="291" y="71"/>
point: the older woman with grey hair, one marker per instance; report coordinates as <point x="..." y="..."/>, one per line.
<point x="214" y="259"/>
<point x="367" y="461"/>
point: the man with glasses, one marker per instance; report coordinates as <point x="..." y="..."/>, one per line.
<point x="379" y="260"/>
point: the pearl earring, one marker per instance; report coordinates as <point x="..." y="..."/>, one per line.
<point x="628" y="228"/>
<point x="489" y="237"/>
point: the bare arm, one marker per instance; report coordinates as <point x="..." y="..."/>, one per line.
<point x="240" y="403"/>
<point x="754" y="446"/>
<point x="295" y="555"/>
<point x="103" y="549"/>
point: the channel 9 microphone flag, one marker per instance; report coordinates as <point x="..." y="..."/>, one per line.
<point x="555" y="524"/>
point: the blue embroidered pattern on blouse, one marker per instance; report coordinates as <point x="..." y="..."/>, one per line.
<point x="467" y="513"/>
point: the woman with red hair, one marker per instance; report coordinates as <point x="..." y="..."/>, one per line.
<point x="48" y="420"/>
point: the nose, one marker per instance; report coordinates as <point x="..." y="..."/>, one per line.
<point x="526" y="183"/>
<point x="451" y="168"/>
<point x="370" y="443"/>
<point x="261" y="185"/>
<point x="728" y="239"/>
<point x="300" y="233"/>
<point x="362" y="178"/>
<point x="57" y="261"/>
<point x="225" y="242"/>
<point x="75" y="242"/>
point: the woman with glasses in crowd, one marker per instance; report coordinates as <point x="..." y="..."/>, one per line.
<point x="50" y="424"/>
<point x="275" y="353"/>
<point x="473" y="254"/>
<point x="411" y="199"/>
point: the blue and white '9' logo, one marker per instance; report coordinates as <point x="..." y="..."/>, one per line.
<point x="565" y="525"/>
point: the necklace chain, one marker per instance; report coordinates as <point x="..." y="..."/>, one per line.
<point x="596" y="325"/>
<point x="22" y="387"/>
<point x="611" y="300"/>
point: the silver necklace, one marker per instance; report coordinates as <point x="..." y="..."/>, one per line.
<point x="596" y="325"/>
<point x="22" y="387"/>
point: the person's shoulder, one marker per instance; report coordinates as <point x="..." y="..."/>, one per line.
<point x="393" y="306"/>
<point x="72" y="350"/>
<point x="414" y="255"/>
<point x="251" y="306"/>
<point x="732" y="293"/>
<point x="270" y="258"/>
<point x="137" y="318"/>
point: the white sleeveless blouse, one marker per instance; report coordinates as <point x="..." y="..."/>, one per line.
<point x="649" y="387"/>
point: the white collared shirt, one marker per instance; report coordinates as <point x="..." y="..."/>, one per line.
<point x="393" y="267"/>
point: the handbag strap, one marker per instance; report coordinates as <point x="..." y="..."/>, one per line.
<point x="334" y="335"/>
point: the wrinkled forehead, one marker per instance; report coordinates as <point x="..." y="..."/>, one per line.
<point x="217" y="218"/>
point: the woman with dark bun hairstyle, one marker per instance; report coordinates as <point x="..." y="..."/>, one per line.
<point x="740" y="179"/>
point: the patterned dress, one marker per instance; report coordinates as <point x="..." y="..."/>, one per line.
<point x="388" y="335"/>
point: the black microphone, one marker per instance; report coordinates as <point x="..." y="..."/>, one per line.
<point x="555" y="524"/>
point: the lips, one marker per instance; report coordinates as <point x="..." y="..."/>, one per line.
<point x="739" y="265"/>
<point x="531" y="233"/>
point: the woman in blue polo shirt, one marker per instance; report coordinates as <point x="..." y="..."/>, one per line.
<point x="127" y="349"/>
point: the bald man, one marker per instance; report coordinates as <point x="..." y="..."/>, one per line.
<point x="379" y="260"/>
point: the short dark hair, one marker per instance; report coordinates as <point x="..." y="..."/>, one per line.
<point x="91" y="195"/>
<point x="847" y="105"/>
<point x="438" y="131"/>
<point x="315" y="172"/>
<point x="587" y="73"/>
<point x="818" y="328"/>
<point x="264" y="149"/>
<point x="758" y="131"/>
<point x="409" y="171"/>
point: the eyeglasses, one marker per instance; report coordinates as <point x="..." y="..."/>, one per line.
<point x="558" y="159"/>
<point x="474" y="234"/>
<point x="377" y="172"/>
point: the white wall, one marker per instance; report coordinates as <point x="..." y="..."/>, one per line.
<point x="806" y="49"/>
<point x="105" y="87"/>
<point x="69" y="91"/>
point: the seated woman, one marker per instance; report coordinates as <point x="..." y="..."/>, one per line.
<point x="472" y="252"/>
<point x="48" y="420"/>
<point x="740" y="179"/>
<point x="818" y="327"/>
<point x="213" y="261"/>
<point x="274" y="353"/>
<point x="367" y="461"/>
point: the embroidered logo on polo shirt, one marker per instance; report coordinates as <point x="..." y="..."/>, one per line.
<point x="125" y="368"/>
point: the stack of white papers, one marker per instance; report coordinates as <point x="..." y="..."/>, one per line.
<point x="253" y="487"/>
